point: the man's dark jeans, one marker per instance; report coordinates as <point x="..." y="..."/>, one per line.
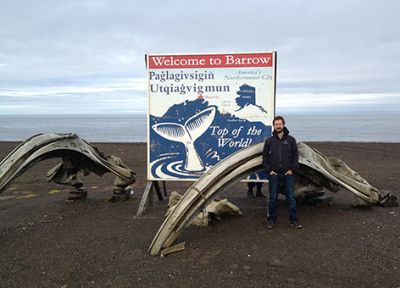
<point x="274" y="187"/>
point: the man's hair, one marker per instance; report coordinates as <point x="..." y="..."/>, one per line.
<point x="277" y="118"/>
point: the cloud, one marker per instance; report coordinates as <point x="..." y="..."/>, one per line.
<point x="306" y="102"/>
<point x="90" y="52"/>
<point x="118" y="97"/>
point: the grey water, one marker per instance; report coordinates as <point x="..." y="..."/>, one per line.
<point x="360" y="127"/>
<point x="93" y="128"/>
<point x="349" y="127"/>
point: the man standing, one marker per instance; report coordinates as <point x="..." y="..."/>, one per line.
<point x="280" y="160"/>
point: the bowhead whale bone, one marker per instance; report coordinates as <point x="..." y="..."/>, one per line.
<point x="187" y="134"/>
<point x="77" y="156"/>
<point x="315" y="169"/>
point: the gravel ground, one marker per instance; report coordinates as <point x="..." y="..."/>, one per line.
<point x="48" y="242"/>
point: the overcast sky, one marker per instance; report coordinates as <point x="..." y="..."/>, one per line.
<point x="87" y="56"/>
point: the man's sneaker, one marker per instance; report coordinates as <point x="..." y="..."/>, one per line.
<point x="270" y="224"/>
<point x="295" y="225"/>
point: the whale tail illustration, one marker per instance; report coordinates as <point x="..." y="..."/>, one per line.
<point x="193" y="128"/>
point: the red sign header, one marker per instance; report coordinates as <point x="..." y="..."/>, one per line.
<point x="210" y="61"/>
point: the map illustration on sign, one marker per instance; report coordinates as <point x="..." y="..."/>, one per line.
<point x="200" y="113"/>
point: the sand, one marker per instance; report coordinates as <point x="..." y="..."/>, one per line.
<point x="47" y="242"/>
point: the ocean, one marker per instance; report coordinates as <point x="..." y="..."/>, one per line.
<point x="359" y="127"/>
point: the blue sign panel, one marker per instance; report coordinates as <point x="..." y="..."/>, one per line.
<point x="201" y="112"/>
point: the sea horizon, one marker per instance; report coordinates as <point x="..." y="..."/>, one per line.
<point x="332" y="126"/>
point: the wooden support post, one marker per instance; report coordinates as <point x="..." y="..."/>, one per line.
<point x="165" y="188"/>
<point x="158" y="190"/>
<point x="145" y="197"/>
<point x="148" y="195"/>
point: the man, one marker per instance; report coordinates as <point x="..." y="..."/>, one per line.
<point x="280" y="160"/>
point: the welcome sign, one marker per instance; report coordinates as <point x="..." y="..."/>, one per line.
<point x="203" y="108"/>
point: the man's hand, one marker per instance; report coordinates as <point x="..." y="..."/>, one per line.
<point x="289" y="172"/>
<point x="272" y="173"/>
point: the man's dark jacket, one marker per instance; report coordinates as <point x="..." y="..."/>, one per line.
<point x="280" y="155"/>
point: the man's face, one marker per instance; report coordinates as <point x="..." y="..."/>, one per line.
<point x="278" y="126"/>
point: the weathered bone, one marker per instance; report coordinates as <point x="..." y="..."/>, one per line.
<point x="326" y="171"/>
<point x="213" y="209"/>
<point x="77" y="156"/>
